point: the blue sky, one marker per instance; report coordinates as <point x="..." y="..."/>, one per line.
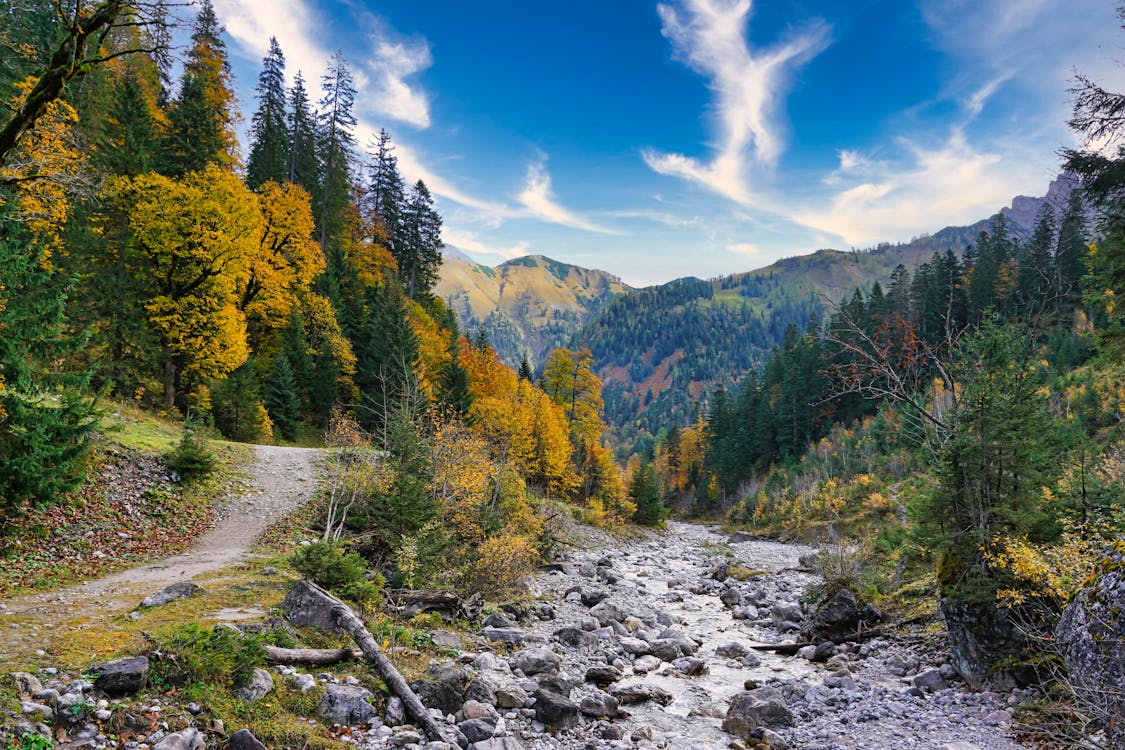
<point x="700" y="137"/>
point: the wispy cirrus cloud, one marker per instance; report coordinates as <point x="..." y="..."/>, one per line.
<point x="709" y="36"/>
<point x="472" y="243"/>
<point x="540" y="203"/>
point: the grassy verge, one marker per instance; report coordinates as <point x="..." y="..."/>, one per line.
<point x="128" y="511"/>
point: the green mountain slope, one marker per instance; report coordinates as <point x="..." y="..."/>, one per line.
<point x="661" y="349"/>
<point x="529" y="305"/>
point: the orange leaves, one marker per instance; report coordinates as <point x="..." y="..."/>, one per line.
<point x="44" y="165"/>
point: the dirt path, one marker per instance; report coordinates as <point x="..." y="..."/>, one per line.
<point x="280" y="479"/>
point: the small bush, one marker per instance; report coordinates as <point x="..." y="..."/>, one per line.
<point x="340" y="571"/>
<point x="219" y="656"/>
<point x="191" y="459"/>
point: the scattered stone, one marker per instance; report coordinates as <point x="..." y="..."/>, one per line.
<point x="641" y="692"/>
<point x="346" y="705"/>
<point x="749" y="710"/>
<point x="603" y="675"/>
<point x="261" y="683"/>
<point x="555" y="710"/>
<point x="187" y="739"/>
<point x="121" y="677"/>
<point x="504" y="635"/>
<point x="304" y="607"/>
<point x="168" y="594"/>
<point x="244" y="739"/>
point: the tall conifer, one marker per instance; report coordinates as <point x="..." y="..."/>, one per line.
<point x="269" y="134"/>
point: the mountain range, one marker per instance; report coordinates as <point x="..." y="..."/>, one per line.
<point x="661" y="348"/>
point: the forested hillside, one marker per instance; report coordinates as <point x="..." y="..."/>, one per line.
<point x="288" y="297"/>
<point x="527" y="306"/>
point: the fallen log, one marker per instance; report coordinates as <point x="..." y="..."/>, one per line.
<point x="347" y="620"/>
<point x="448" y="604"/>
<point x="789" y="649"/>
<point x="278" y="655"/>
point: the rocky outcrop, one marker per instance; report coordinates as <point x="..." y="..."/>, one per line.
<point x="1091" y="634"/>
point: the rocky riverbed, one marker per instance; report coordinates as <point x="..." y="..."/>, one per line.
<point x="649" y="644"/>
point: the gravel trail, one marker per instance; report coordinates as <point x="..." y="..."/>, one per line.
<point x="279" y="480"/>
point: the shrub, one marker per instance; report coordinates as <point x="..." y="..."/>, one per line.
<point x="502" y="561"/>
<point x="220" y="656"/>
<point x="191" y="459"/>
<point x="343" y="572"/>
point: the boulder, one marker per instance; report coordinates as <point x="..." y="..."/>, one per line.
<point x="930" y="681"/>
<point x="754" y="709"/>
<point x="477" y="730"/>
<point x="304" y="606"/>
<point x="603" y="674"/>
<point x="26" y="684"/>
<point x="606" y="612"/>
<point x="575" y="637"/>
<point x="641" y="692"/>
<point x="535" y="661"/>
<point x="836" y="617"/>
<point x="554" y="710"/>
<point x="346" y="705"/>
<point x="732" y="650"/>
<point x="244" y="739"/>
<point x="740" y="536"/>
<point x="261" y="683"/>
<point x="444" y="690"/>
<point x="1090" y="634"/>
<point x="121" y="677"/>
<point x="510" y="696"/>
<point x="598" y="704"/>
<point x="504" y="635"/>
<point x="497" y="743"/>
<point x="186" y="739"/>
<point x="179" y="590"/>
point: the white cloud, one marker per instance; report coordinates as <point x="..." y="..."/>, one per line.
<point x="381" y="75"/>
<point x="392" y="96"/>
<point x="470" y="242"/>
<point x="709" y="36"/>
<point x="743" y="248"/>
<point x="540" y="202"/>
<point x="923" y="189"/>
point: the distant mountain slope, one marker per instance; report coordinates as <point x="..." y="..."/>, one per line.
<point x="528" y="305"/>
<point x="660" y="349"/>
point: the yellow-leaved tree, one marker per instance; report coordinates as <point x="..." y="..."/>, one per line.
<point x="285" y="263"/>
<point x="188" y="243"/>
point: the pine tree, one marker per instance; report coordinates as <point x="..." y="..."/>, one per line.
<point x="1036" y="276"/>
<point x="525" y="372"/>
<point x="419" y="255"/>
<point x="281" y="398"/>
<point x="43" y="445"/>
<point x="386" y="195"/>
<point x="386" y="351"/>
<point x="201" y="120"/>
<point x="1071" y="250"/>
<point x="644" y="491"/>
<point x="302" y="168"/>
<point x="269" y="134"/>
<point x="336" y="148"/>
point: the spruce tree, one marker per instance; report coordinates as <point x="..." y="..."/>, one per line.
<point x="201" y="120"/>
<point x="455" y="391"/>
<point x="237" y="405"/>
<point x="525" y="372"/>
<point x="269" y="133"/>
<point x="43" y="445"/>
<point x="386" y="196"/>
<point x="1071" y="250"/>
<point x="281" y="399"/>
<point x="386" y="351"/>
<point x="644" y="491"/>
<point x="419" y="255"/>
<point x="336" y="149"/>
<point x="1036" y="278"/>
<point x="302" y="168"/>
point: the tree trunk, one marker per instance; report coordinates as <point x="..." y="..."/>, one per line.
<point x="278" y="655"/>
